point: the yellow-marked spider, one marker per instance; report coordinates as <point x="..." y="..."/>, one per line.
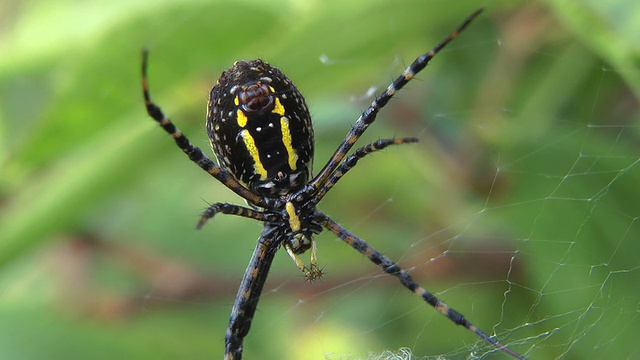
<point x="261" y="133"/>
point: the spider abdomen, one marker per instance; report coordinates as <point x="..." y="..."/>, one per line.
<point x="260" y="128"/>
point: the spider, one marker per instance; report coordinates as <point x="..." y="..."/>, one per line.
<point x="260" y="130"/>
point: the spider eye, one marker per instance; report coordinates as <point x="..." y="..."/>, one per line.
<point x="256" y="98"/>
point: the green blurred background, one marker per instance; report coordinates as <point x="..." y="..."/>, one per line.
<point x="519" y="207"/>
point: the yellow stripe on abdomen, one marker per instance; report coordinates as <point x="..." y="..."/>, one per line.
<point x="250" y="144"/>
<point x="286" y="140"/>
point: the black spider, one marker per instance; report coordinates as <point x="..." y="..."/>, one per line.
<point x="260" y="131"/>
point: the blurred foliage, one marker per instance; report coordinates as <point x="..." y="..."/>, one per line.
<point x="519" y="207"/>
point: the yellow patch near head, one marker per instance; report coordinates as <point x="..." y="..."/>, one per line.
<point x="278" y="108"/>
<point x="241" y="118"/>
<point x="253" y="151"/>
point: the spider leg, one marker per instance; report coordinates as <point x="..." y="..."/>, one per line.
<point x="353" y="159"/>
<point x="231" y="209"/>
<point x="369" y="115"/>
<point x="193" y="152"/>
<point x="244" y="307"/>
<point x="391" y="268"/>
